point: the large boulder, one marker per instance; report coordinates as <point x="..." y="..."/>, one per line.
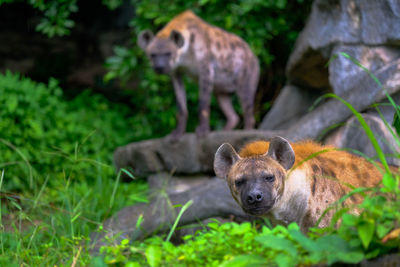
<point x="356" y="23"/>
<point x="352" y="136"/>
<point x="296" y="103"/>
<point x="341" y="31"/>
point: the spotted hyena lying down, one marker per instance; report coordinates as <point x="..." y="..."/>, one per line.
<point x="292" y="182"/>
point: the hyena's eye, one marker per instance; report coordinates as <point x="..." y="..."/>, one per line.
<point x="240" y="182"/>
<point x="168" y="54"/>
<point x="269" y="178"/>
<point x="153" y="55"/>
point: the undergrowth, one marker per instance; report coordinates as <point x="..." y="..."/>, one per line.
<point x="57" y="183"/>
<point x="373" y="233"/>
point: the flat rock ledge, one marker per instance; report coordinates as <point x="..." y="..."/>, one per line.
<point x="189" y="155"/>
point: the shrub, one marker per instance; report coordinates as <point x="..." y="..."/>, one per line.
<point x="44" y="135"/>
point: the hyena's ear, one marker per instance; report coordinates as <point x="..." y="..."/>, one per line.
<point x="281" y="151"/>
<point x="225" y="157"/>
<point x="177" y="38"/>
<point x="145" y="38"/>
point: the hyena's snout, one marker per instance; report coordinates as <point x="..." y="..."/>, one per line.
<point x="256" y="200"/>
<point x="254" y="197"/>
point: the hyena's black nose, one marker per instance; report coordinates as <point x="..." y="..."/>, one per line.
<point x="254" y="197"/>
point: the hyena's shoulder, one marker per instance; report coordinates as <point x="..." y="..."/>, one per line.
<point x="185" y="22"/>
<point x="325" y="161"/>
<point x="197" y="30"/>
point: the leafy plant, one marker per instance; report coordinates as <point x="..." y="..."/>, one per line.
<point x="42" y="134"/>
<point x="56" y="20"/>
<point x="373" y="233"/>
<point x="56" y="180"/>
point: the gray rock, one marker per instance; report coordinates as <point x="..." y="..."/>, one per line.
<point x="363" y="30"/>
<point x="389" y="260"/>
<point x="175" y="184"/>
<point x="210" y="200"/>
<point x="331" y="23"/>
<point x="361" y="96"/>
<point x="345" y="75"/>
<point x="385" y="108"/>
<point x="291" y="104"/>
<point x="353" y="136"/>
<point x="189" y="155"/>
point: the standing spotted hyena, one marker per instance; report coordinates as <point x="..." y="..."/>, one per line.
<point x="221" y="62"/>
<point x="293" y="182"/>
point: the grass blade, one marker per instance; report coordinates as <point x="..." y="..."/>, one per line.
<point x="366" y="128"/>
<point x="183" y="209"/>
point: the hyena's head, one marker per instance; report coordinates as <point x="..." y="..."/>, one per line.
<point x="256" y="182"/>
<point x="162" y="52"/>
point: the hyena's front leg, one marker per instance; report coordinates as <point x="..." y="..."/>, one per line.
<point x="180" y="96"/>
<point x="225" y="103"/>
<point x="206" y="80"/>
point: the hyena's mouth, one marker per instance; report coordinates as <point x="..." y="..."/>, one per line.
<point x="256" y="211"/>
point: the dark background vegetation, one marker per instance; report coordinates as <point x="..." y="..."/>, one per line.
<point x="76" y="58"/>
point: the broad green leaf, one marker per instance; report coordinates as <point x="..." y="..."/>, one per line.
<point x="366" y="230"/>
<point x="304" y="241"/>
<point x="278" y="244"/>
<point x="373" y="254"/>
<point x="388" y="181"/>
<point x="349" y="219"/>
<point x="12" y="104"/>
<point x="382" y="229"/>
<point x="245" y="261"/>
<point x="125" y="242"/>
<point x="284" y="260"/>
<point x="327" y="244"/>
<point x="153" y="255"/>
<point x="348" y="257"/>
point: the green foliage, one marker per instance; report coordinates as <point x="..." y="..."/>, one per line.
<point x="231" y="244"/>
<point x="43" y="135"/>
<point x="57" y="155"/>
<point x="396" y="120"/>
<point x="56" y="19"/>
<point x="112" y="4"/>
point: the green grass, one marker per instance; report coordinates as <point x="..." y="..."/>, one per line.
<point x="56" y="180"/>
<point x="50" y="227"/>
